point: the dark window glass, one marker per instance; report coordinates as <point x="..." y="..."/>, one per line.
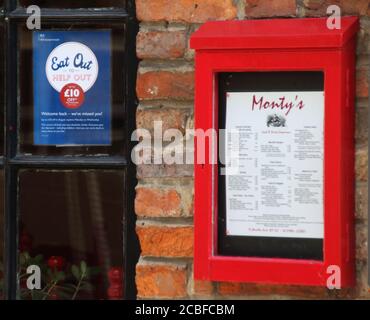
<point x="117" y="101"/>
<point x="2" y="89"/>
<point x="2" y="107"/>
<point x="2" y="229"/>
<point x="69" y="220"/>
<point x="73" y="3"/>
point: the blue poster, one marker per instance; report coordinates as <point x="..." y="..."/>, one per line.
<point x="72" y="88"/>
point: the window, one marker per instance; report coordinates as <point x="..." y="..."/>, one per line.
<point x="27" y="91"/>
<point x="66" y="166"/>
<point x="2" y="236"/>
<point x="2" y="107"/>
<point x="82" y="213"/>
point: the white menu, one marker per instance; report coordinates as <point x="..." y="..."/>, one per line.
<point x="276" y="190"/>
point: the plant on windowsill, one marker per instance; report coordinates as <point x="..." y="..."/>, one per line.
<point x="58" y="280"/>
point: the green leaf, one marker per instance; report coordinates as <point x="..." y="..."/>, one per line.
<point x="26" y="256"/>
<point x="87" y="286"/>
<point x="38" y="259"/>
<point x="53" y="274"/>
<point x="83" y="267"/>
<point x="50" y="273"/>
<point x="60" y="276"/>
<point x="93" y="271"/>
<point x="37" y="295"/>
<point x="22" y="259"/>
<point x="76" y="272"/>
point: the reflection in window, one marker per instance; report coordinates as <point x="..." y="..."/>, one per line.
<point x="73" y="3"/>
<point x="71" y="226"/>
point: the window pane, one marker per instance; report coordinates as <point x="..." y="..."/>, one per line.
<point x="72" y="129"/>
<point x="2" y="86"/>
<point x="2" y="238"/>
<point x="69" y="218"/>
<point x="73" y="3"/>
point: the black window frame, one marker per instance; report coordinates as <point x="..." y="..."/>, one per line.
<point x="11" y="162"/>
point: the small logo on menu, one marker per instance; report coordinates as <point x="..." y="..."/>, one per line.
<point x="72" y="69"/>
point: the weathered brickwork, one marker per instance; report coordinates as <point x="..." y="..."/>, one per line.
<point x="164" y="199"/>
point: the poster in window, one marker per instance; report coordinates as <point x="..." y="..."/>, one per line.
<point x="278" y="188"/>
<point x="72" y="88"/>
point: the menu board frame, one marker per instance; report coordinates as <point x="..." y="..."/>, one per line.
<point x="256" y="46"/>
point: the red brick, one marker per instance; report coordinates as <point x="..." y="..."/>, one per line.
<point x="361" y="242"/>
<point x="160" y="241"/>
<point x="193" y="11"/>
<point x="165" y="85"/>
<point x="362" y="289"/>
<point x="319" y="7"/>
<point x="362" y="85"/>
<point x="161" y="45"/>
<point x="203" y="288"/>
<point x="314" y="4"/>
<point x="358" y="7"/>
<point x="361" y="164"/>
<point x="362" y="127"/>
<point x="165" y="171"/>
<point x="152" y="202"/>
<point x="161" y="281"/>
<point x="361" y="201"/>
<point x="268" y="8"/>
<point x="171" y="118"/>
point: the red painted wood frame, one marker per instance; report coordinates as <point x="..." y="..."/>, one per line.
<point x="338" y="65"/>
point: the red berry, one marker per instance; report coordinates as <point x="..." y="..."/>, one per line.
<point x="56" y="262"/>
<point x="115" y="292"/>
<point x="115" y="275"/>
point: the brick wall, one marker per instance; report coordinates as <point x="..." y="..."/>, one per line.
<point x="164" y="199"/>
